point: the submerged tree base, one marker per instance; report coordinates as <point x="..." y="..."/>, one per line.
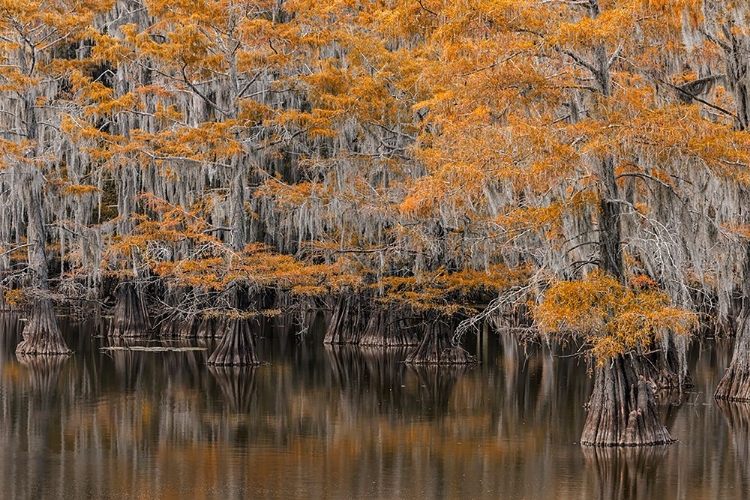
<point x="41" y="335"/>
<point x="348" y="321"/>
<point x="389" y="328"/>
<point x="735" y="384"/>
<point x="236" y="347"/>
<point x="437" y="348"/>
<point x="622" y="410"/>
<point x="130" y="315"/>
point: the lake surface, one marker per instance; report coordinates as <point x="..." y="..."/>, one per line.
<point x="336" y="423"/>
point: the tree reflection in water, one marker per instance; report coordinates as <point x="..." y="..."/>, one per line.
<point x="237" y="384"/>
<point x="334" y="422"/>
<point x="737" y="416"/>
<point x="622" y="472"/>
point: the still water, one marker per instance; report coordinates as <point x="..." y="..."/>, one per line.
<point x="336" y="423"/>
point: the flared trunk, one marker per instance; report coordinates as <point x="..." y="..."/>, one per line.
<point x="41" y="335"/>
<point x="236" y="347"/>
<point x="348" y="321"/>
<point x="389" y="327"/>
<point x="130" y="315"/>
<point x="209" y="326"/>
<point x="735" y="384"/>
<point x="436" y="347"/>
<point x="622" y="410"/>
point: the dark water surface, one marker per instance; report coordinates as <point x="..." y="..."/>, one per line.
<point x="335" y="423"/>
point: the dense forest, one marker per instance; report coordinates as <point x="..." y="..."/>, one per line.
<point x="412" y="170"/>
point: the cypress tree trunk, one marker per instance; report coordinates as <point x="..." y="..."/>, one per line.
<point x="130" y="315"/>
<point x="347" y="322"/>
<point x="236" y="347"/>
<point x="178" y="328"/>
<point x="389" y="327"/>
<point x="622" y="409"/>
<point x="437" y="348"/>
<point x="41" y="335"/>
<point x="735" y="384"/>
<point x="209" y="326"/>
<point x="610" y="253"/>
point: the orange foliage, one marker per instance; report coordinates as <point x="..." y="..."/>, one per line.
<point x="613" y="319"/>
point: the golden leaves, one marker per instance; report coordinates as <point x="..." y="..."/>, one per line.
<point x="449" y="292"/>
<point x="612" y="318"/>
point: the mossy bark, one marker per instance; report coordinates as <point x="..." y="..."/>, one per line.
<point x="622" y="409"/>
<point x="236" y="347"/>
<point x="130" y="314"/>
<point x="41" y="335"/>
<point x="670" y="364"/>
<point x="437" y="348"/>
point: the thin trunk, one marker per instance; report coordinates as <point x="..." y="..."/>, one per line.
<point x="610" y="238"/>
<point x="237" y="207"/>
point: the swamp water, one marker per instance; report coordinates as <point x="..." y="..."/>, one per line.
<point x="328" y="422"/>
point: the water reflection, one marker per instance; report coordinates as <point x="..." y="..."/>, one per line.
<point x="337" y="422"/>
<point x="622" y="472"/>
<point x="737" y="416"/>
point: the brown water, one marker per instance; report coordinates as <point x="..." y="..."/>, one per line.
<point x="335" y="423"/>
